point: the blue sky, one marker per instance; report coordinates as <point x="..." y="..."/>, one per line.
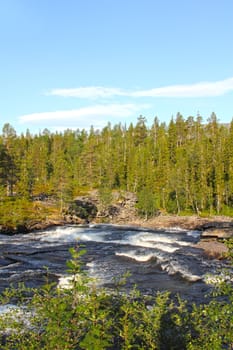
<point x="77" y="63"/>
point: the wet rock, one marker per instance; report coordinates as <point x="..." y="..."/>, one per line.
<point x="221" y="224"/>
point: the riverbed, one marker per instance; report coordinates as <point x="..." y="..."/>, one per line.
<point x="157" y="260"/>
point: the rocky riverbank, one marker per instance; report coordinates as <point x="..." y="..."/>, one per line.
<point x="122" y="211"/>
<point x="213" y="230"/>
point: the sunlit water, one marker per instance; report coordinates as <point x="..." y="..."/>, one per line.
<point x="156" y="260"/>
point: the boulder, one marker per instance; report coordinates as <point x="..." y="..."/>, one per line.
<point x="82" y="208"/>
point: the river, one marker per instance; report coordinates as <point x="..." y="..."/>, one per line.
<point x="156" y="260"/>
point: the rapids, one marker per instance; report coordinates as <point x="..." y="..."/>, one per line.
<point x="156" y="260"/>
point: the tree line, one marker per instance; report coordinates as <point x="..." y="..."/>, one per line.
<point x="184" y="166"/>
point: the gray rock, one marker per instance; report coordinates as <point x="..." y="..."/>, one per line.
<point x="218" y="233"/>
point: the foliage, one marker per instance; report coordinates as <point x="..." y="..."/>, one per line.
<point x="147" y="204"/>
<point x="86" y="317"/>
<point x="105" y="196"/>
<point x="18" y="212"/>
<point x="212" y="323"/>
<point x="186" y="165"/>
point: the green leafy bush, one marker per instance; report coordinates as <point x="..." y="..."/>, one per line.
<point x="86" y="317"/>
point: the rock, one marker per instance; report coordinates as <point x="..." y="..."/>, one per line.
<point x="34" y="226"/>
<point x="218" y="233"/>
<point x="90" y="208"/>
<point x="82" y="208"/>
<point x="218" y="225"/>
<point x="72" y="219"/>
<point x="213" y="249"/>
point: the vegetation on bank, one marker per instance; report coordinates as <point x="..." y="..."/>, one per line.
<point x="183" y="167"/>
<point x="86" y="317"/>
<point x="21" y="214"/>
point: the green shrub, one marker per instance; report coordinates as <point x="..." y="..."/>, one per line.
<point x="86" y="317"/>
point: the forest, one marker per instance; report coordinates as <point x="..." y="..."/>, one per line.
<point x="183" y="167"/>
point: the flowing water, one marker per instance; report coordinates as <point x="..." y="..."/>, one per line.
<point x="156" y="260"/>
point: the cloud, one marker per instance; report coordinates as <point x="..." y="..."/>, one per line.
<point x="91" y="92"/>
<point x="201" y="89"/>
<point x="98" y="115"/>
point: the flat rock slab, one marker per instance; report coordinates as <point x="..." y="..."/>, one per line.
<point x="213" y="249"/>
<point x="218" y="232"/>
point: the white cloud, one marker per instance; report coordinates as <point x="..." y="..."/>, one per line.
<point x="88" y="92"/>
<point x="98" y="115"/>
<point x="201" y="89"/>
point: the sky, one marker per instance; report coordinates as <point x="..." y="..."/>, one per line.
<point x="81" y="63"/>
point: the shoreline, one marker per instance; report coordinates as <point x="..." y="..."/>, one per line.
<point x="211" y="246"/>
<point x="191" y="222"/>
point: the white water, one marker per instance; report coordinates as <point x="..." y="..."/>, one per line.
<point x="168" y="243"/>
<point x="161" y="243"/>
<point x="14" y="313"/>
<point x="146" y="245"/>
<point x="155" y="259"/>
<point x="135" y="256"/>
<point x="9" y="308"/>
<point x="150" y="240"/>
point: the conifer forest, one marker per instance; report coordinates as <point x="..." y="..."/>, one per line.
<point x="185" y="166"/>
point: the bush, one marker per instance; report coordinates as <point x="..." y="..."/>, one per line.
<point x="84" y="317"/>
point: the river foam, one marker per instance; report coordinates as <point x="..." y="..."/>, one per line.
<point x="157" y="260"/>
<point x="135" y="256"/>
<point x="165" y="241"/>
<point x="161" y="246"/>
